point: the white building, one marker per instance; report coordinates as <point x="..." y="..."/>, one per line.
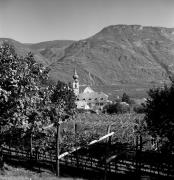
<point x="88" y="99"/>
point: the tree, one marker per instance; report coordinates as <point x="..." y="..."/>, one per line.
<point x="120" y="107"/>
<point x="139" y="108"/>
<point x="126" y="98"/>
<point x="159" y="114"/>
<point x="22" y="93"/>
<point x="63" y="107"/>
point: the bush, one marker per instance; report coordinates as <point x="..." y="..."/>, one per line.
<point x="109" y="108"/>
<point x="126" y="98"/>
<point x="122" y="107"/>
<point x="139" y="108"/>
<point x="116" y="108"/>
<point x="159" y="114"/>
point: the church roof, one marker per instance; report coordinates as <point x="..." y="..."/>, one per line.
<point x="93" y="96"/>
<point x="88" y="90"/>
<point x="83" y="87"/>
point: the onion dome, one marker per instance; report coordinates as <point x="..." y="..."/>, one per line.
<point x="75" y="76"/>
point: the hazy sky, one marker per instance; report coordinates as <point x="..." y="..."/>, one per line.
<point x="41" y="20"/>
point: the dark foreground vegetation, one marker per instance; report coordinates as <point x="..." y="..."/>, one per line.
<point x="37" y="117"/>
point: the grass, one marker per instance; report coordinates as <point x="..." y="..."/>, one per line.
<point x="18" y="173"/>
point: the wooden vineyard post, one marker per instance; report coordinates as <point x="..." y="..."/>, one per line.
<point x="136" y="154"/>
<point x="105" y="170"/>
<point x="140" y="154"/>
<point x="76" y="153"/>
<point x="108" y="144"/>
<point x="31" y="145"/>
<point x="57" y="150"/>
<point x="1" y="158"/>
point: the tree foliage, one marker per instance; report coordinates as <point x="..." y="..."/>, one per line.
<point x="126" y="98"/>
<point x="117" y="108"/>
<point x="159" y="113"/>
<point x="22" y="93"/>
<point x="62" y="102"/>
<point x="27" y="104"/>
<point x="139" y="108"/>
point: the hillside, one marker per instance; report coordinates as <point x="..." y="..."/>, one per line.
<point x="120" y="58"/>
<point x="116" y="59"/>
<point x="44" y="52"/>
<point x="120" y="54"/>
<point x="51" y="50"/>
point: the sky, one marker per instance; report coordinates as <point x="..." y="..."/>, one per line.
<point x="31" y="21"/>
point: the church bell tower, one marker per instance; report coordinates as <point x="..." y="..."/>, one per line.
<point x="76" y="83"/>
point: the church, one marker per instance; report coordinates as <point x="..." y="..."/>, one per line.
<point x="88" y="99"/>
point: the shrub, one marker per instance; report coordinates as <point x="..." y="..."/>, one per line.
<point x="116" y="108"/>
<point x="159" y="114"/>
<point x="139" y="108"/>
<point x="126" y="98"/>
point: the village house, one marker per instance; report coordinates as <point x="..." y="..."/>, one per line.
<point x="88" y="99"/>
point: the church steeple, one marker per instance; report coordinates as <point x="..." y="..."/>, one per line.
<point x="76" y="83"/>
<point x="75" y="76"/>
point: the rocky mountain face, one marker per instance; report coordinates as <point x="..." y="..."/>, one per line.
<point x="118" y="55"/>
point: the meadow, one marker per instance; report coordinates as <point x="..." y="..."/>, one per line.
<point x="12" y="172"/>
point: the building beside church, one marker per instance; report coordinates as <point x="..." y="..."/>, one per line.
<point x="88" y="99"/>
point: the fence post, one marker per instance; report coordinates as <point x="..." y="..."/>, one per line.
<point x="57" y="150"/>
<point x="37" y="157"/>
<point x="10" y="147"/>
<point x="108" y="143"/>
<point x="76" y="152"/>
<point x="1" y="158"/>
<point x="140" y="153"/>
<point x="105" y="169"/>
<point x="137" y="154"/>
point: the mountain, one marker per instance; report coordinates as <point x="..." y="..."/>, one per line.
<point x="44" y="52"/>
<point x="119" y="58"/>
<point x="51" y="50"/>
<point x="22" y="49"/>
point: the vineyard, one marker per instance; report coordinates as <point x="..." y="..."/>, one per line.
<point x="82" y="130"/>
<point x="102" y="157"/>
<point x="125" y="154"/>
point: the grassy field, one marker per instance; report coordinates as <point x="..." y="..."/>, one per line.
<point x="19" y="173"/>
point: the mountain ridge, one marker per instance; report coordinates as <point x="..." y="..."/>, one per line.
<point x="116" y="56"/>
